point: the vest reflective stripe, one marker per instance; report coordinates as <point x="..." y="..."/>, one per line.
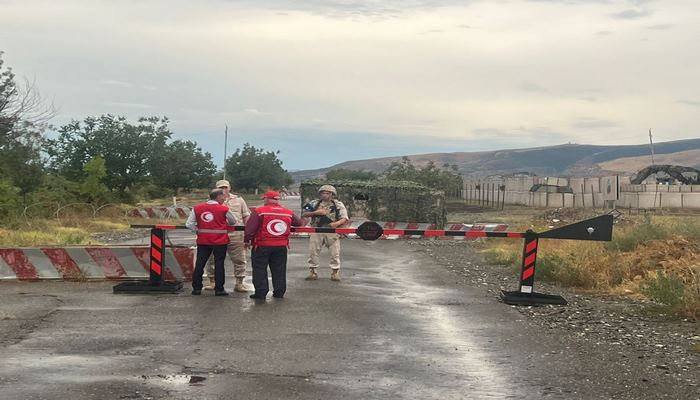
<point x="212" y="230"/>
<point x="271" y="213"/>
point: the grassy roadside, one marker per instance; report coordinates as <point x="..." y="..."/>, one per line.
<point x="652" y="257"/>
<point x="57" y="232"/>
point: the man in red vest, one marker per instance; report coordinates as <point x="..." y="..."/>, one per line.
<point x="210" y="220"/>
<point x="267" y="232"/>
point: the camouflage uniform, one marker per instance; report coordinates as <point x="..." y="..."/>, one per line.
<point x="330" y="240"/>
<point x="236" y="250"/>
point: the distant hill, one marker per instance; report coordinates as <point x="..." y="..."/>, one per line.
<point x="689" y="158"/>
<point x="567" y="159"/>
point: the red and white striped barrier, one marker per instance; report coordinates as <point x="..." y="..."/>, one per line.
<point x="91" y="263"/>
<point x="422" y="226"/>
<point x="160" y="212"/>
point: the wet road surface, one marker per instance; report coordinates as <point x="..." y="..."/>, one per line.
<point x="396" y="327"/>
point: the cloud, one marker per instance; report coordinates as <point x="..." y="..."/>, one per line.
<point x="115" y="82"/>
<point x="661" y="27"/>
<point x="254" y="111"/>
<point x="592" y="123"/>
<point x="431" y="31"/>
<point x="140" y="106"/>
<point x="631" y="14"/>
<point x="533" y="88"/>
<point x="521" y="136"/>
<point x="357" y="8"/>
<point x="689" y="102"/>
<point x="603" y="33"/>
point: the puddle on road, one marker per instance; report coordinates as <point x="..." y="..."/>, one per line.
<point x="177" y="380"/>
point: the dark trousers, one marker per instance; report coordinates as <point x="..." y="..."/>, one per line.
<point x="276" y="258"/>
<point x="203" y="253"/>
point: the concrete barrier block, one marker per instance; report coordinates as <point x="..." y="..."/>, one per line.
<point x="648" y="200"/>
<point x="568" y="200"/>
<point x="592" y="185"/>
<point x="576" y="184"/>
<point x="628" y="200"/>
<point x="691" y="200"/>
<point x="671" y="200"/>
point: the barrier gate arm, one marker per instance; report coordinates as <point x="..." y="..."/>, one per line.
<point x="595" y="229"/>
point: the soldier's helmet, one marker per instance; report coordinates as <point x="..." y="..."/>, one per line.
<point x="328" y="188"/>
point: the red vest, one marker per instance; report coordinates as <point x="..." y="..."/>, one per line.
<point x="275" y="226"/>
<point x="211" y="216"/>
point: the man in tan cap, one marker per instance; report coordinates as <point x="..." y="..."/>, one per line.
<point x="325" y="212"/>
<point x="236" y="250"/>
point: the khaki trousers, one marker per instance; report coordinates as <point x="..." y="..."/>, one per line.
<point x="317" y="241"/>
<point x="236" y="253"/>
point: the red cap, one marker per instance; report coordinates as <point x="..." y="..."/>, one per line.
<point x="271" y="195"/>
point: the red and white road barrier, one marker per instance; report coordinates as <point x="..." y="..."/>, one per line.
<point x="160" y="212"/>
<point x="91" y="263"/>
<point x="421" y="226"/>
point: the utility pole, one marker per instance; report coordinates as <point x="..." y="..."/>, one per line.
<point x="226" y="147"/>
<point x="651" y="145"/>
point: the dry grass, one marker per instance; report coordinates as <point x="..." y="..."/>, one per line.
<point x="657" y="258"/>
<point x="57" y="232"/>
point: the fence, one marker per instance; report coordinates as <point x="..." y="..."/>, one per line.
<point x="588" y="192"/>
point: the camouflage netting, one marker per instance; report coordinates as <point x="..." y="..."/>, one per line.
<point x="398" y="201"/>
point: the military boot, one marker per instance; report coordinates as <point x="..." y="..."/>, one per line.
<point x="240" y="286"/>
<point x="335" y="275"/>
<point x="212" y="283"/>
<point x="312" y="275"/>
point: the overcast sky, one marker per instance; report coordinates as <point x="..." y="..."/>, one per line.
<point x="329" y="81"/>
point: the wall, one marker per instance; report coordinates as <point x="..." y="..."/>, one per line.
<point x="588" y="192"/>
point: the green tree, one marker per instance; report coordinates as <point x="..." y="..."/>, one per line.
<point x="183" y="165"/>
<point x="23" y="119"/>
<point x="252" y="168"/>
<point x="92" y="187"/>
<point x="342" y="174"/>
<point x="446" y="178"/>
<point x="131" y="151"/>
<point x="9" y="200"/>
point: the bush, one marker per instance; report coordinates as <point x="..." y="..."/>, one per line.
<point x="56" y="189"/>
<point x="665" y="288"/>
<point x="500" y="256"/>
<point x="10" y="205"/>
<point x="548" y="266"/>
<point x="630" y="238"/>
<point x="151" y="191"/>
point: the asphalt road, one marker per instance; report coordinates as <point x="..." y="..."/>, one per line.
<point x="397" y="326"/>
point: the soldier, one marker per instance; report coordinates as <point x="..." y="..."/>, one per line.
<point x="236" y="251"/>
<point x="325" y="212"/>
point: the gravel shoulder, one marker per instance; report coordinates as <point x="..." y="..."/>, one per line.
<point x="597" y="346"/>
<point x="120" y="236"/>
